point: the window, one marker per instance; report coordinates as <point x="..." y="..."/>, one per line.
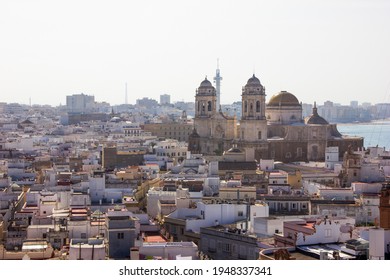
<point x="240" y="213"/>
<point x="328" y="232"/>
<point x="209" y="105"/>
<point x="226" y="247"/>
<point x="257" y="106"/>
<point x="299" y="152"/>
<point x="259" y="135"/>
<point x="245" y="106"/>
<point x="120" y="235"/>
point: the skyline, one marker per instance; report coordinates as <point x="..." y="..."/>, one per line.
<point x="338" y="50"/>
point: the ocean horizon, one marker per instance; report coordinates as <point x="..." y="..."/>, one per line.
<point x="375" y="133"/>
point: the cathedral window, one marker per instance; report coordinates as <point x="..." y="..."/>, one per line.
<point x="299" y="152"/>
<point x="257" y="106"/>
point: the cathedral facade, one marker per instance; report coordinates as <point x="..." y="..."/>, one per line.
<point x="274" y="130"/>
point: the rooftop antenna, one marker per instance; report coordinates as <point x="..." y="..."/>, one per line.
<point x="217" y="80"/>
<point x="126" y="93"/>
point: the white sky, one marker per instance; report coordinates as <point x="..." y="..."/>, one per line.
<point x="336" y="50"/>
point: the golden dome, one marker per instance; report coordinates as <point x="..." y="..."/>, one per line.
<point x="284" y="98"/>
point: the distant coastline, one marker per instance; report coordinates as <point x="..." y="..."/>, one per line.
<point x="375" y="133"/>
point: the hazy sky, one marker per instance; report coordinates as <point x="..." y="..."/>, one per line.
<point x="318" y="50"/>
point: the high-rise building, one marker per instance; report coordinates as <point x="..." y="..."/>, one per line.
<point x="80" y="103"/>
<point x="354" y="104"/>
<point x="165" y="99"/>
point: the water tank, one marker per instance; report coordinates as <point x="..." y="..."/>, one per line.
<point x="323" y="255"/>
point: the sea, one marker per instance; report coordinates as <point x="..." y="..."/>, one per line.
<point x="375" y="133"/>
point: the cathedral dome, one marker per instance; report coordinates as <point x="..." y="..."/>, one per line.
<point x="253" y="81"/>
<point x="206" y="84"/>
<point x="284" y="98"/>
<point x="206" y="88"/>
<point x="315" y="118"/>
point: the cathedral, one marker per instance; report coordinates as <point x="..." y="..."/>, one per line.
<point x="274" y="130"/>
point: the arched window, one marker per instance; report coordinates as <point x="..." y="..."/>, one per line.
<point x="203" y="107"/>
<point x="257" y="106"/>
<point x="251" y="107"/>
<point x="209" y="106"/>
<point x="245" y="106"/>
<point x="259" y="135"/>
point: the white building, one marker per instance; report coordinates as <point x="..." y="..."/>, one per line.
<point x="206" y="215"/>
<point x="316" y="231"/>
<point x="169" y="250"/>
<point x="80" y="103"/>
<point x="87" y="249"/>
<point x="165" y="99"/>
<point x="379" y="239"/>
<point x="172" y="149"/>
<point x="331" y="157"/>
<point x="160" y="202"/>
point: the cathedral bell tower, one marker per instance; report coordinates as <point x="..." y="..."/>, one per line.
<point x="253" y="124"/>
<point x="205" y="108"/>
<point x="205" y="100"/>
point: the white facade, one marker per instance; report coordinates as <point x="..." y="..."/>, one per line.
<point x="25" y="144"/>
<point x="83" y="249"/>
<point x="371" y="172"/>
<point x="336" y="194"/>
<point x="80" y="229"/>
<point x="277" y="178"/>
<point x="361" y="188"/>
<point x="333" y="230"/>
<point x="38" y="231"/>
<point x="172" y="149"/>
<point x="267" y="164"/>
<point x="80" y="103"/>
<point x="169" y="250"/>
<point x="179" y="198"/>
<point x="331" y="157"/>
<point x="206" y="215"/>
<point x="379" y="241"/>
<point x="97" y="186"/>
